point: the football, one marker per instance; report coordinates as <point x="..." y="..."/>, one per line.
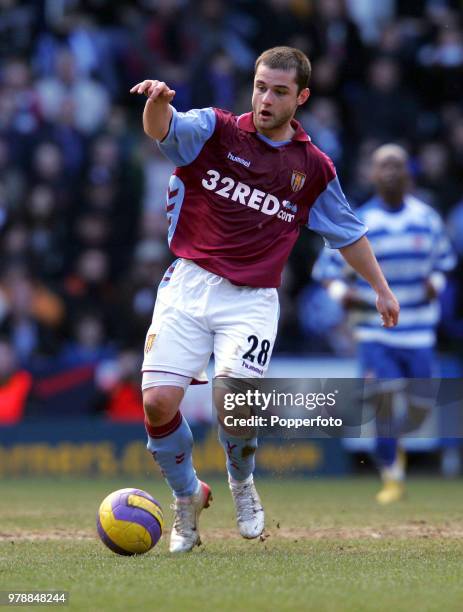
<point x="129" y="521"/>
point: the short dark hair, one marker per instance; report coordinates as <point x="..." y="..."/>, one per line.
<point x="287" y="58"/>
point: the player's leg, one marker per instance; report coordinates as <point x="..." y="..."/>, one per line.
<point x="240" y="452"/>
<point x="246" y="323"/>
<point x="170" y="440"/>
<point x="379" y="361"/>
<point x="171" y="443"/>
<point x="419" y="365"/>
<point x="416" y="365"/>
<point x="177" y="349"/>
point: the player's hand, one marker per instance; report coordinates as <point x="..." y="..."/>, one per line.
<point x="157" y="91"/>
<point x="353" y="300"/>
<point x="388" y="307"/>
<point x="431" y="290"/>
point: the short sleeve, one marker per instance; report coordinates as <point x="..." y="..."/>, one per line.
<point x="188" y="132"/>
<point x="332" y="218"/>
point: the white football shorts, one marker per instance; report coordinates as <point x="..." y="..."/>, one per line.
<point x="198" y="313"/>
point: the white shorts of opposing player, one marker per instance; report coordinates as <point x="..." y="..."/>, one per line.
<point x="198" y="313"/>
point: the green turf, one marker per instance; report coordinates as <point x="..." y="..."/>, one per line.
<point x="330" y="548"/>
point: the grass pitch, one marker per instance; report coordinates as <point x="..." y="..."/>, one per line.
<point x="329" y="547"/>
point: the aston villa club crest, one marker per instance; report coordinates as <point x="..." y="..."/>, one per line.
<point x="297" y="180"/>
<point x="149" y="342"/>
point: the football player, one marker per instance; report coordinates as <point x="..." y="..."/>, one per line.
<point x="411" y="245"/>
<point x="243" y="188"/>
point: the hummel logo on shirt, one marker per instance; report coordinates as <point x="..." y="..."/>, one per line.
<point x="239" y="160"/>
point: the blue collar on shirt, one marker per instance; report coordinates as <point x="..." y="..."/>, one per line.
<point x="246" y="122"/>
<point x="273" y="143"/>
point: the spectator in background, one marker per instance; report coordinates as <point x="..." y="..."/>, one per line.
<point x="17" y="84"/>
<point x="15" y="386"/>
<point x="435" y="181"/>
<point x="15" y="245"/>
<point x="326" y="78"/>
<point x="125" y="401"/>
<point x="113" y="183"/>
<point x="20" y="118"/>
<point x="48" y="169"/>
<point x="371" y="17"/>
<point x="71" y="384"/>
<point x="90" y="98"/>
<point x="98" y="43"/>
<point x="335" y="34"/>
<point x="375" y="110"/>
<point x="164" y="36"/>
<point x="92" y="230"/>
<point x="47" y="233"/>
<point x="137" y="293"/>
<point x="89" y="288"/>
<point x="31" y="315"/>
<point x="64" y="132"/>
<point x="17" y="24"/>
<point x="285" y="24"/>
<point x="89" y="343"/>
<point x="443" y="63"/>
<point x="11" y="179"/>
<point x="219" y="48"/>
<point x="323" y="123"/>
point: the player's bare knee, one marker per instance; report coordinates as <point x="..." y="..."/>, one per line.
<point x="161" y="403"/>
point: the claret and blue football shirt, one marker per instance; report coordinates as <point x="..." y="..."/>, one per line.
<point x="237" y="200"/>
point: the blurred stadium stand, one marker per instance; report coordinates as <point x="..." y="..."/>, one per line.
<point x="82" y="227"/>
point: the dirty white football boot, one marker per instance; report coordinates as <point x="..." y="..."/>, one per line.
<point x="249" y="511"/>
<point x="185" y="534"/>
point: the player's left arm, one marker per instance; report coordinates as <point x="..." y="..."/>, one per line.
<point x="443" y="257"/>
<point x="332" y="217"/>
<point x="359" y="255"/>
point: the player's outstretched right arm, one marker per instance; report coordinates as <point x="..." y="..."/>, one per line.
<point x="158" y="111"/>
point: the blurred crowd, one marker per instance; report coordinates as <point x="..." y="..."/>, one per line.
<point x="82" y="190"/>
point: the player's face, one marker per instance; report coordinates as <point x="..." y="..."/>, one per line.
<point x="275" y="99"/>
<point x="390" y="175"/>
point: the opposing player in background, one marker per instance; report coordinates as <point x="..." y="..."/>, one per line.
<point x="242" y="189"/>
<point x="409" y="240"/>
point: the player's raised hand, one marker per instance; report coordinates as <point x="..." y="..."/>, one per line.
<point x="157" y="91"/>
<point x="388" y="307"/>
